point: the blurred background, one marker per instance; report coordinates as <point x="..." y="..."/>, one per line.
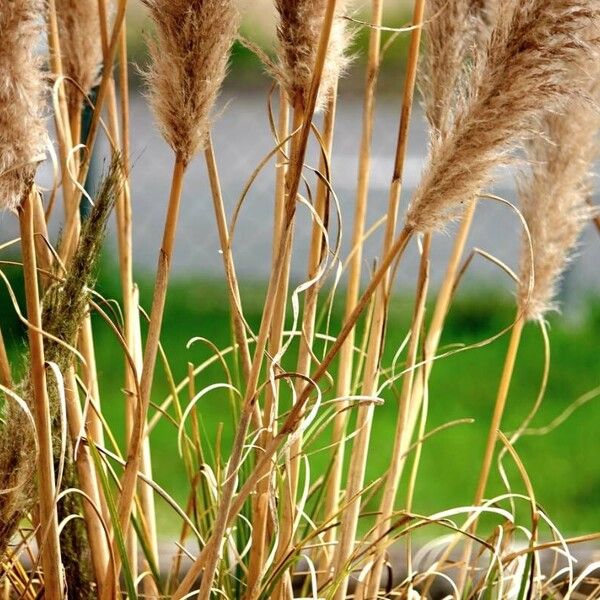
<point x="560" y="463"/>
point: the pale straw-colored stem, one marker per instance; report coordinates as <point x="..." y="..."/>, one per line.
<point x="50" y="547"/>
<point x="392" y="480"/>
<point x="63" y="132"/>
<point x="286" y="533"/>
<point x="314" y="261"/>
<point x="283" y="590"/>
<point x="134" y="457"/>
<point x="271" y="406"/>
<point x="42" y="251"/>
<point x="436" y="327"/>
<point x="146" y="493"/>
<point x="365" y="413"/>
<point x="131" y="315"/>
<point x="97" y="536"/>
<point x="440" y="311"/>
<point x="124" y="95"/>
<point x="344" y="377"/>
<point x="94" y="425"/>
<point x="492" y="438"/>
<point x="227" y="254"/>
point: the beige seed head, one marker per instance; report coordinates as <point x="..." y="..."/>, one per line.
<point x="22" y="134"/>
<point x="554" y="202"/>
<point x="189" y="62"/>
<point x="298" y="33"/>
<point x="535" y="62"/>
<point x="80" y="45"/>
<point x="455" y="30"/>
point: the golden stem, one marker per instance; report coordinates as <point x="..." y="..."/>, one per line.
<point x="394" y="472"/>
<point x="50" y="546"/>
<point x="344" y="378"/>
<point x="375" y="347"/>
<point x="134" y="456"/>
<point x="500" y="404"/>
<point x="99" y="548"/>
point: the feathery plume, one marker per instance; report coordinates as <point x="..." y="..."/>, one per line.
<point x="535" y="61"/>
<point x="22" y="134"/>
<point x="454" y="29"/>
<point x="298" y="32"/>
<point x="554" y="203"/>
<point x="189" y="62"/>
<point x="80" y="45"/>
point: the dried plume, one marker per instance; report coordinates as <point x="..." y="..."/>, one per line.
<point x="554" y="202"/>
<point x="535" y="62"/>
<point x="189" y="62"/>
<point x="22" y="134"/>
<point x="80" y="45"/>
<point x="454" y="31"/>
<point x="298" y="32"/>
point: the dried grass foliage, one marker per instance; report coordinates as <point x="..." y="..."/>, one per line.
<point x="22" y="85"/>
<point x="189" y="62"/>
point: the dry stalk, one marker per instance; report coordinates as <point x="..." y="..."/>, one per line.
<point x="294" y="454"/>
<point x="455" y="30"/>
<point x="344" y="378"/>
<point x="394" y="473"/>
<point x="271" y="404"/>
<point x="120" y="136"/>
<point x="235" y="302"/>
<point x="64" y="137"/>
<point x="50" y="547"/>
<point x="92" y="505"/>
<point x="365" y="413"/>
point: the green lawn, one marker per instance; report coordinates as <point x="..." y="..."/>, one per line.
<point x="563" y="465"/>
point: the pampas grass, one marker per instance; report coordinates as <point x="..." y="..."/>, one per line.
<point x="499" y="79"/>
<point x="189" y="56"/>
